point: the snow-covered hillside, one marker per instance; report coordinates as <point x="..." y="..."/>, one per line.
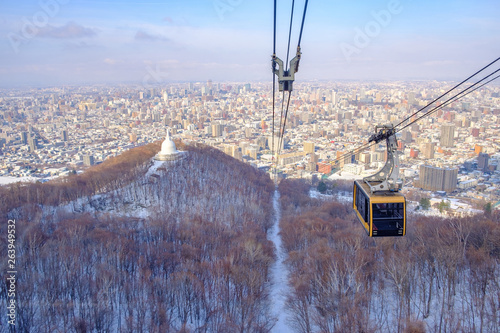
<point x="180" y="247"/>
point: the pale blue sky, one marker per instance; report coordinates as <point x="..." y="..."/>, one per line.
<point x="79" y="41"/>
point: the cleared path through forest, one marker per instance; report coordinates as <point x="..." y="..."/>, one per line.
<point x="279" y="273"/>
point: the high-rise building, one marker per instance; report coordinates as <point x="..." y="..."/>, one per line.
<point x="438" y="179"/>
<point x="252" y="152"/>
<point x="411" y="98"/>
<point x="88" y="160"/>
<point x="338" y="117"/>
<point x="33" y="143"/>
<point x="308" y="147"/>
<point x="24" y="137"/>
<point x="64" y="135"/>
<point x="447" y="135"/>
<point x="334" y="97"/>
<point x="261" y="142"/>
<point x="450" y="180"/>
<point x="365" y="157"/>
<point x="407" y="138"/>
<point x="238" y="155"/>
<point x="429" y="149"/>
<point x="482" y="161"/>
<point x="469" y="166"/>
<point x="343" y="158"/>
<point x="228" y="150"/>
<point x="217" y="130"/>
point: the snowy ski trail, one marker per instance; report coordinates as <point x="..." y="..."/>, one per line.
<point x="279" y="273"/>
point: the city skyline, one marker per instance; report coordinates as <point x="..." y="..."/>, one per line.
<point x="57" y="42"/>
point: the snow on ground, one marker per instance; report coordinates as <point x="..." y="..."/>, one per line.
<point x="317" y="195"/>
<point x="342" y="197"/>
<point x="457" y="208"/>
<point x="344" y="176"/>
<point x="154" y="167"/>
<point x="125" y="206"/>
<point x="4" y="180"/>
<point x="279" y="273"/>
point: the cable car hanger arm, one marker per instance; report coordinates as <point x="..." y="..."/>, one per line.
<point x="387" y="178"/>
<point x="286" y="77"/>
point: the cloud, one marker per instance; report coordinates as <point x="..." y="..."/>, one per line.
<point x="168" y="19"/>
<point x="480" y="22"/>
<point x="144" y="36"/>
<point x="439" y="63"/>
<point x="68" y="31"/>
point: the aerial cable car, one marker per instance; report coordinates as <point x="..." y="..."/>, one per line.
<point x="379" y="205"/>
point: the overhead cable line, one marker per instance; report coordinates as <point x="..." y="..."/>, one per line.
<point x="284" y="124"/>
<point x="274" y="87"/>
<point x="302" y="25"/>
<point x="283" y="112"/>
<point x="292" y="63"/>
<point x="452" y="99"/>
<point x="286" y="76"/>
<point x="289" y="35"/>
<point x="458" y="85"/>
<point x="458" y="96"/>
<point x="274" y="39"/>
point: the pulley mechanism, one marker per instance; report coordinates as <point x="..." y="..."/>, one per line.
<point x="286" y="77"/>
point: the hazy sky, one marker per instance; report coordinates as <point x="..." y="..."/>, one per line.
<point x="53" y="42"/>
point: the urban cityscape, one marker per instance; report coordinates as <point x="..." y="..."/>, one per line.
<point x="452" y="154"/>
<point x="166" y="167"/>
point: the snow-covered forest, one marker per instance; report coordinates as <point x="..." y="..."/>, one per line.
<point x="136" y="245"/>
<point x="124" y="249"/>
<point x="441" y="277"/>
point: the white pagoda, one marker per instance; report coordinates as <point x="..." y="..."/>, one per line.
<point x="168" y="150"/>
